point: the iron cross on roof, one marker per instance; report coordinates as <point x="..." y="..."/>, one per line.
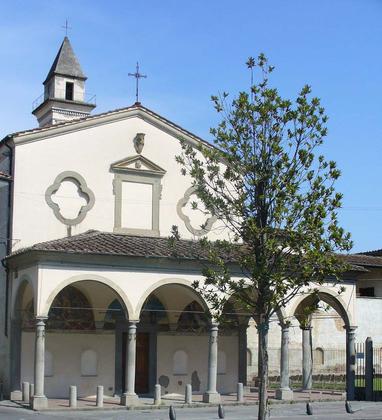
<point x="137" y="76"/>
<point x="66" y="27"/>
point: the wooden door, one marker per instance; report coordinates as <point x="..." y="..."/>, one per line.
<point x="141" y="364"/>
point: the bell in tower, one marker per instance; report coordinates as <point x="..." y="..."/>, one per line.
<point x="64" y="96"/>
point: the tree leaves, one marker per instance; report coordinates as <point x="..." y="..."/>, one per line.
<point x="275" y="195"/>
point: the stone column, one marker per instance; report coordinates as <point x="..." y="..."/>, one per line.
<point x="350" y="362"/>
<point x="129" y="397"/>
<point x="243" y="353"/>
<point x="307" y="357"/>
<point x="211" y="395"/>
<point x="39" y="401"/>
<point x="15" y="356"/>
<point x="284" y="392"/>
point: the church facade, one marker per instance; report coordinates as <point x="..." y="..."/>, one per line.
<point x="93" y="291"/>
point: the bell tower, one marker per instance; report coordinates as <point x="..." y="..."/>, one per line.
<point x="64" y="97"/>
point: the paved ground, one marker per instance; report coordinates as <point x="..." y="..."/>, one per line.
<point x="178" y="400"/>
<point x="322" y="411"/>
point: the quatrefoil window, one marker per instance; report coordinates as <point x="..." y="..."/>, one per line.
<point x="70" y="198"/>
<point x="184" y="212"/>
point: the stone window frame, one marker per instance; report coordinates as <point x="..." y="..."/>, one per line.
<point x="142" y="178"/>
<point x="83" y="190"/>
<point x="186" y="220"/>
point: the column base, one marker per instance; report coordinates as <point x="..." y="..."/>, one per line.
<point x="129" y="399"/>
<point x="39" y="403"/>
<point x="211" y="397"/>
<point x="285" y="394"/>
<point x="16" y="396"/>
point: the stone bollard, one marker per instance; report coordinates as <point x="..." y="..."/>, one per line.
<point x="157" y="395"/>
<point x="25" y="391"/>
<point x="99" y="401"/>
<point x="31" y="393"/>
<point x="172" y="413"/>
<point x="73" y="396"/>
<point x="188" y="396"/>
<point x="240" y="392"/>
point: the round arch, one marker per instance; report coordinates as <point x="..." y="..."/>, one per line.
<point x="331" y="298"/>
<point x="281" y="313"/>
<point x="86" y="277"/>
<point x="25" y="281"/>
<point x="164" y="282"/>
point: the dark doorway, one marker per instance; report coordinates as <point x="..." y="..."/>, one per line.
<point x="141" y="365"/>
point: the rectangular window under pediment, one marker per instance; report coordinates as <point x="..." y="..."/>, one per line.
<point x="137" y="190"/>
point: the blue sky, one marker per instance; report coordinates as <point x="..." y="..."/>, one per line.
<point x="192" y="49"/>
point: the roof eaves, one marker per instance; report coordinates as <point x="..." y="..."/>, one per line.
<point x="141" y="111"/>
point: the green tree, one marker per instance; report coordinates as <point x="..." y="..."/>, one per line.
<point x="275" y="195"/>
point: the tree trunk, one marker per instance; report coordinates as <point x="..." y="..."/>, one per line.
<point x="263" y="369"/>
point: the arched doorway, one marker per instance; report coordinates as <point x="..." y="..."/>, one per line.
<point x="176" y="320"/>
<point x="325" y="325"/>
<point x="153" y="318"/>
<point x="80" y="339"/>
<point x="22" y="325"/>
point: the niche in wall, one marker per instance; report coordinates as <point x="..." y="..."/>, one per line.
<point x="180" y="362"/>
<point x="89" y="363"/>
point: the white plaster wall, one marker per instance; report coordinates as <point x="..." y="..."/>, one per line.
<point x="60" y="86"/>
<point x="376" y="283"/>
<point x="66" y="349"/>
<point x="370" y="323"/>
<point x="133" y="285"/>
<point x="90" y="152"/>
<point x="197" y="349"/>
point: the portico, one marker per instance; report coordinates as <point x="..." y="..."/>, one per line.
<point x="104" y="321"/>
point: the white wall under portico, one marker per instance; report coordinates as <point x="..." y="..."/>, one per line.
<point x="66" y="350"/>
<point x="132" y="285"/>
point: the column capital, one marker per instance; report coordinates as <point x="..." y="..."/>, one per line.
<point x="40" y="320"/>
<point x="214" y="325"/>
<point x="306" y="327"/>
<point x="350" y="328"/>
<point x="285" y="325"/>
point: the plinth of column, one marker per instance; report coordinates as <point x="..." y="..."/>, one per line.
<point x="39" y="403"/>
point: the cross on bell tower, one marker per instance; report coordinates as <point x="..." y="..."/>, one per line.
<point x="66" y="27"/>
<point x="137" y="76"/>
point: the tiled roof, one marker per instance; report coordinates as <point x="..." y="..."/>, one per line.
<point x="374" y="253"/>
<point x="94" y="242"/>
<point x="363" y="260"/>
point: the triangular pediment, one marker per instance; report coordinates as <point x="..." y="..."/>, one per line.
<point x="137" y="164"/>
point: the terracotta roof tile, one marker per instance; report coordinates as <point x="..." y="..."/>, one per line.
<point x="374" y="253"/>
<point x="363" y="260"/>
<point x="94" y="242"/>
<point x="102" y="243"/>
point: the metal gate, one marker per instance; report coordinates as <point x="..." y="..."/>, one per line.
<point x="368" y="372"/>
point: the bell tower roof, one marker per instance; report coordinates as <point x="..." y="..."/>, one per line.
<point x="66" y="63"/>
<point x="64" y="96"/>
